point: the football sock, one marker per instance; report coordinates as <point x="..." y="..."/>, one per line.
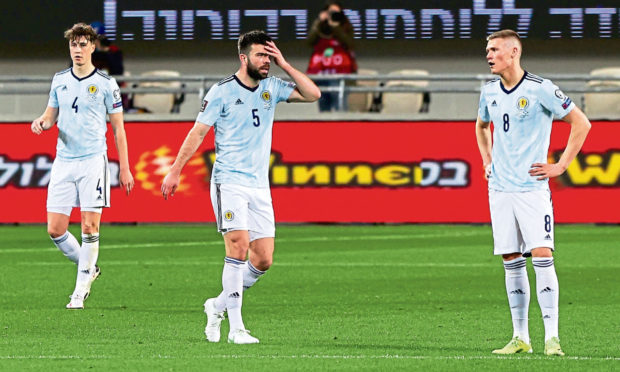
<point x="232" y="284"/>
<point x="518" y="290"/>
<point x="250" y="275"/>
<point x="88" y="258"/>
<point x="68" y="245"/>
<point x="548" y="292"/>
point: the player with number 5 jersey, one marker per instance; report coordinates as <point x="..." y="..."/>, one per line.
<point x="522" y="107"/>
<point x="241" y="108"/>
<point x="80" y="98"/>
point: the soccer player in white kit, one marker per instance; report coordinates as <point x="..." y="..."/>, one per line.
<point x="522" y="107"/>
<point x="241" y="109"/>
<point x="80" y="98"/>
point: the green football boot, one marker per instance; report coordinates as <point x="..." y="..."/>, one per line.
<point x="515" y="346"/>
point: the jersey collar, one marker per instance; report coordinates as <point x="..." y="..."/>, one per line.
<point x="85" y="77"/>
<point x="515" y="87"/>
<point x="245" y="86"/>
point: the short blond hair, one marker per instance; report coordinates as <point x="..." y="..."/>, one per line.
<point x="81" y="29"/>
<point x="505" y="34"/>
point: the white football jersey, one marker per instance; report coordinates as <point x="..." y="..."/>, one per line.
<point x="242" y="118"/>
<point x="522" y="119"/>
<point x="82" y="107"/>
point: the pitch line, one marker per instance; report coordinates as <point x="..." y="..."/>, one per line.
<point x="278" y="241"/>
<point x="319" y="356"/>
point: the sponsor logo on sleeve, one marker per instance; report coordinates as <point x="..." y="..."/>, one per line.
<point x="204" y="105"/>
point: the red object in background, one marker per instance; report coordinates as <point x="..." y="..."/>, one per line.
<point x="369" y="172"/>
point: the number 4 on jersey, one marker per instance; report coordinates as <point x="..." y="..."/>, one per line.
<point x="74" y="105"/>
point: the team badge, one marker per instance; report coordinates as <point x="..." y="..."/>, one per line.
<point x="522" y="105"/>
<point x="266" y="96"/>
<point x="92" y="92"/>
<point x="229" y="215"/>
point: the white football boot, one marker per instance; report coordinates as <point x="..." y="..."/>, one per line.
<point x="241" y="336"/>
<point x="77" y="301"/>
<point x="214" y="321"/>
<point x="94" y="276"/>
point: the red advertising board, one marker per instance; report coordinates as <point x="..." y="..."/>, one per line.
<point x="341" y="171"/>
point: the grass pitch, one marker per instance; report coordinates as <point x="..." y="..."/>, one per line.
<point x="410" y="297"/>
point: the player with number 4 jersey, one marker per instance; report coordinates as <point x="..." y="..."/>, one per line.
<point x="241" y="108"/>
<point x="522" y="107"/>
<point x="80" y="98"/>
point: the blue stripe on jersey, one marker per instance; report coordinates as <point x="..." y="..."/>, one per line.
<point x="103" y="74"/>
<point x="227" y="80"/>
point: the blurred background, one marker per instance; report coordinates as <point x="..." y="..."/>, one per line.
<point x="408" y="98"/>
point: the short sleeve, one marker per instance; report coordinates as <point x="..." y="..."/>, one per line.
<point x="554" y="100"/>
<point x="483" y="110"/>
<point x="285" y="88"/>
<point x="210" y="107"/>
<point x="53" y="100"/>
<point x="112" y="97"/>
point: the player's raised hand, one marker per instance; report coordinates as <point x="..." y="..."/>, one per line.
<point x="37" y="126"/>
<point x="544" y="170"/>
<point x="169" y="185"/>
<point x="126" y="180"/>
<point x="274" y="52"/>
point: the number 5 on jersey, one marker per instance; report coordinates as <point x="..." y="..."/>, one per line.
<point x="255" y="118"/>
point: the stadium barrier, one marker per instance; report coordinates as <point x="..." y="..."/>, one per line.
<point x="457" y="83"/>
<point x="341" y="172"/>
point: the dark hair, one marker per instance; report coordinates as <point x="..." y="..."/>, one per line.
<point x="252" y="37"/>
<point x="329" y="3"/>
<point x="81" y="29"/>
<point x="339" y="17"/>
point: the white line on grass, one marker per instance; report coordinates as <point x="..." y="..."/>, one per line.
<point x="321" y="356"/>
<point x="278" y="241"/>
<point x="276" y="264"/>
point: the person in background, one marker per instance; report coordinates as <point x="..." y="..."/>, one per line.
<point x="331" y="36"/>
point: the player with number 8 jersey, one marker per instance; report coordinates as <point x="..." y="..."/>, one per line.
<point x="514" y="156"/>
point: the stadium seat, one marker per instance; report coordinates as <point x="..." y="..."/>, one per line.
<point x="406" y="103"/>
<point x="159" y="103"/>
<point x="361" y="102"/>
<point x="603" y="105"/>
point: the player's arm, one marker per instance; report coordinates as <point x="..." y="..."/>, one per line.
<point x="120" y="140"/>
<point x="485" y="144"/>
<point x="306" y="90"/>
<point x="580" y="126"/>
<point x="45" y="121"/>
<point x="191" y="143"/>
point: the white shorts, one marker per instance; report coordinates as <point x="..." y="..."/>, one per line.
<point x="243" y="208"/>
<point x="521" y="221"/>
<point x="79" y="183"/>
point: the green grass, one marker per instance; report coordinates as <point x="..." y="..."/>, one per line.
<point x="411" y="297"/>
